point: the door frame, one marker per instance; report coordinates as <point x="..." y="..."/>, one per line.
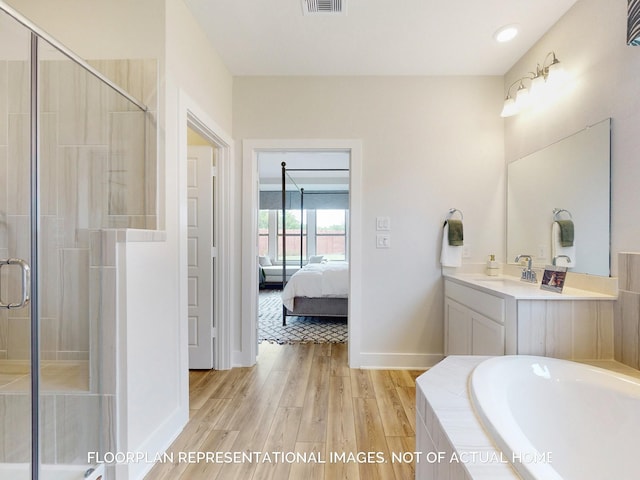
<point x="250" y="179"/>
<point x="192" y="116"/>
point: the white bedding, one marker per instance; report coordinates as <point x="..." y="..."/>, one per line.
<point x="317" y="280"/>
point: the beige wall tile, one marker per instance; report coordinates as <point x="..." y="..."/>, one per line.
<point x="18" y="156"/>
<point x="617" y="330"/>
<point x="19" y="336"/>
<point x="48" y="164"/>
<point x="103" y="330"/>
<point x="585" y="329"/>
<point x="531" y="327"/>
<point x="51" y="243"/>
<point x="605" y="329"/>
<point x="630" y="320"/>
<point x="127" y="163"/>
<point x="559" y="329"/>
<point x="74" y="312"/>
<point x="82" y="105"/>
<point x="78" y="429"/>
<point x="19" y="81"/>
<point x="4" y="326"/>
<point x="47" y="428"/>
<point x="4" y="101"/>
<point x="4" y="179"/>
<point x="629" y="266"/>
<point x="49" y="327"/>
<point x="49" y="85"/>
<point x="15" y="434"/>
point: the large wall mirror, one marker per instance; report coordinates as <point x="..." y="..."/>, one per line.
<point x="572" y="174"/>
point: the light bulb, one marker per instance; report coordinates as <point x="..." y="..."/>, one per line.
<point x="522" y="97"/>
<point x="536" y="88"/>
<point x="556" y="75"/>
<point x="509" y="108"/>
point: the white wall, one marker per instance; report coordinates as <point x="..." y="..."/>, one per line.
<point x="99" y="30"/>
<point x="429" y="144"/>
<point x="590" y="40"/>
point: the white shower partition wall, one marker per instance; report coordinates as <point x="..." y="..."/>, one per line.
<point x="74" y="164"/>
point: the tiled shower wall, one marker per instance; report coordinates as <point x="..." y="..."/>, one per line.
<point x="627" y="314"/>
<point x="98" y="172"/>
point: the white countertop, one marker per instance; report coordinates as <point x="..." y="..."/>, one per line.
<point x="507" y="286"/>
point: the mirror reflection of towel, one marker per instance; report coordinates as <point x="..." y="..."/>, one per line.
<point x="557" y="249"/>
<point x="566" y="232"/>
<point x="455" y="235"/>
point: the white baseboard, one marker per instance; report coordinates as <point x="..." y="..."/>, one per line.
<point x="158" y="442"/>
<point x="398" y="361"/>
<point x="240" y="359"/>
<point x="386" y="361"/>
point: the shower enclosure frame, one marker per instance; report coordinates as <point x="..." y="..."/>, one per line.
<point x="37" y="35"/>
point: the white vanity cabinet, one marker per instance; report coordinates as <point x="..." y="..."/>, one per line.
<point x="473" y="321"/>
<point x="498" y="316"/>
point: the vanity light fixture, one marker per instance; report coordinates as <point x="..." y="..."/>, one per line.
<point x="513" y="105"/>
<point x="546" y="76"/>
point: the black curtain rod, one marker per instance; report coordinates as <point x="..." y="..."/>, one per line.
<point x="317" y="169"/>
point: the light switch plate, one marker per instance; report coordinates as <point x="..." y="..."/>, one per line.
<point x="383" y="224"/>
<point x="542" y="251"/>
<point x="383" y="240"/>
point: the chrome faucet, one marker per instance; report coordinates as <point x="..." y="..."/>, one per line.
<point x="560" y="256"/>
<point x="528" y="275"/>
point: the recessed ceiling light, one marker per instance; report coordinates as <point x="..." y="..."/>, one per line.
<point x="506" y="33"/>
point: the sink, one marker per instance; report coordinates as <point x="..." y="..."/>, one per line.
<point x="502" y="282"/>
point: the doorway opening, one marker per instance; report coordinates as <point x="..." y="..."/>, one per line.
<point x="258" y="157"/>
<point x="303" y="238"/>
<point x="206" y="242"/>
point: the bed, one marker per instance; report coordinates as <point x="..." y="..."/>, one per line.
<point x="317" y="290"/>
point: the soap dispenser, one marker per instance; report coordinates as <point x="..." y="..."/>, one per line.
<point x="492" y="266"/>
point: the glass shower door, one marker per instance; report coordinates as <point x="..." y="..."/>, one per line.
<point x="15" y="251"/>
<point x="73" y="167"/>
<point x="53" y="162"/>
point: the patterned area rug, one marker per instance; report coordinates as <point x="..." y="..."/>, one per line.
<point x="297" y="329"/>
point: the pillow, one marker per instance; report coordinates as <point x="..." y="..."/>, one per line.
<point x="316" y="258"/>
<point x="264" y="261"/>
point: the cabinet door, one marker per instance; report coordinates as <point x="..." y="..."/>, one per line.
<point x="457" y="329"/>
<point x="487" y="336"/>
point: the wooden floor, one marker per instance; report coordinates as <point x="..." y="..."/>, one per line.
<point x="303" y="402"/>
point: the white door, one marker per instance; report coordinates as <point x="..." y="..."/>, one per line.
<point x="202" y="252"/>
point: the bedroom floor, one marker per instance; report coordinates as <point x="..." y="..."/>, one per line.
<point x="298" y="398"/>
<point x="298" y="329"/>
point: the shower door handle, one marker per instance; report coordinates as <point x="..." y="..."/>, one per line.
<point x="26" y="283"/>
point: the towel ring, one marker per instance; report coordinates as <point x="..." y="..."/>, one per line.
<point x="558" y="211"/>
<point x="454" y="210"/>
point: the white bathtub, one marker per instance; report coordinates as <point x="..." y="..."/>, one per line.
<point x="559" y="419"/>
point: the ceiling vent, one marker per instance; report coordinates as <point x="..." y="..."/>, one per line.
<point x="324" y="7"/>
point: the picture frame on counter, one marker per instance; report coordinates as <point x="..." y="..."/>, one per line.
<point x="553" y="278"/>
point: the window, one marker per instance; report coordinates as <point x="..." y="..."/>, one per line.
<point x="293" y="221"/>
<point x="263" y="232"/>
<point x="324" y="232"/>
<point x="331" y="234"/>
